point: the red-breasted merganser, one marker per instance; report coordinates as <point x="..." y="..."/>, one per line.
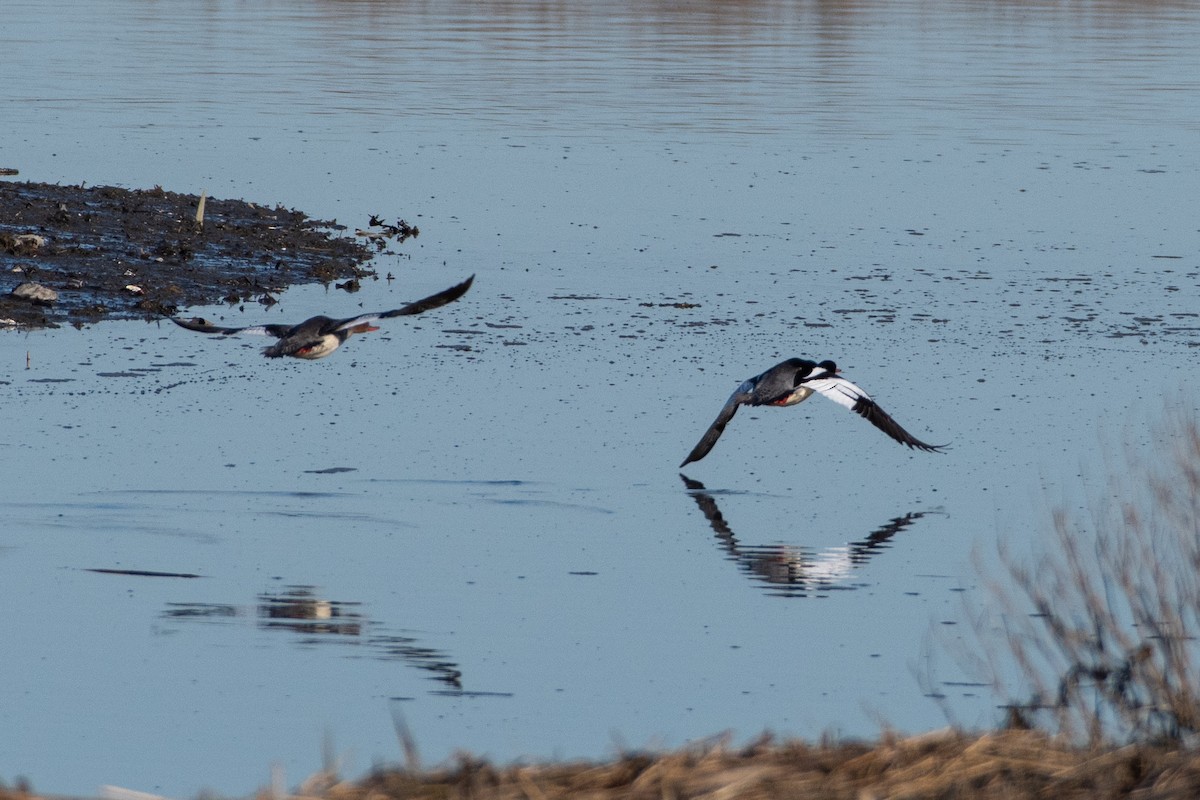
<point x="320" y="336"/>
<point x="792" y="382"/>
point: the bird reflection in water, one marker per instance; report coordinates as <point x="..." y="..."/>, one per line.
<point x="301" y="611"/>
<point x="317" y="621"/>
<point x="790" y="571"/>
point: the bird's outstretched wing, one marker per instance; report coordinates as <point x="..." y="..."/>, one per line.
<point x="418" y="307"/>
<point x="433" y="301"/>
<point x="201" y="325"/>
<point x="740" y="396"/>
<point x="848" y="395"/>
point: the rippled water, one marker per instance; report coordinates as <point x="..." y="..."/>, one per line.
<point x="214" y="562"/>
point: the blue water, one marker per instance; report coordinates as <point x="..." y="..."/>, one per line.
<point x="984" y="212"/>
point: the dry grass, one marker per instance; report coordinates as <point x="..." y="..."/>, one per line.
<point x="1008" y="764"/>
<point x="1011" y="764"/>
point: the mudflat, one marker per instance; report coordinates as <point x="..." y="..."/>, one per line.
<point x="109" y="252"/>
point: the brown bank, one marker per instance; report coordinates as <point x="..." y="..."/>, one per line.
<point x="1008" y="764"/>
<point x="79" y="254"/>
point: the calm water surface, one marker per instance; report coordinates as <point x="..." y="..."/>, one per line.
<point x="213" y="563"/>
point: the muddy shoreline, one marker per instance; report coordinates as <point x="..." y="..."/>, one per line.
<point x="106" y="252"/>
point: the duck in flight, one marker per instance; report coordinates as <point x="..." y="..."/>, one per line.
<point x="794" y="381"/>
<point x="319" y="336"/>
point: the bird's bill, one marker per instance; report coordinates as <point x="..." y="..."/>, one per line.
<point x="364" y="327"/>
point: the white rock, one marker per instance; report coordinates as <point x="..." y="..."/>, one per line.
<point x="35" y="292"/>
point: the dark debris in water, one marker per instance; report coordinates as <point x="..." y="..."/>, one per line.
<point x="380" y="232"/>
<point x="120" y="253"/>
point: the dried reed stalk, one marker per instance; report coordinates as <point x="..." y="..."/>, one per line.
<point x="1103" y="626"/>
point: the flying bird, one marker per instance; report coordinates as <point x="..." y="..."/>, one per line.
<point x="794" y="381"/>
<point x="319" y="336"/>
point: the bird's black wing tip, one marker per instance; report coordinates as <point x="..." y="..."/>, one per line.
<point x="698" y="452"/>
<point x="460" y="288"/>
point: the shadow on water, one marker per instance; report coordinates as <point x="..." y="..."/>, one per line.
<point x="790" y="571"/>
<point x="317" y="621"/>
<point x="141" y="573"/>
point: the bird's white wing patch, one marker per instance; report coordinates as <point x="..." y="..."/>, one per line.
<point x="839" y="390"/>
<point x="256" y="330"/>
<point x="359" y="320"/>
